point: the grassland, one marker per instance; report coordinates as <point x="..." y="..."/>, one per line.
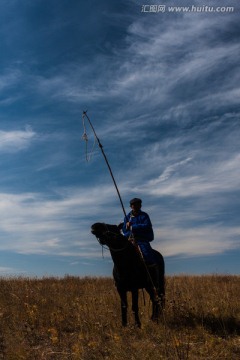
<point x="79" y="319"/>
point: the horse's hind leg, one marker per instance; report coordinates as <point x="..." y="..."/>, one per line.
<point x="158" y="278"/>
<point x="124" y="306"/>
<point x="135" y="307"/>
<point x="161" y="290"/>
<point x="156" y="310"/>
<point x="156" y="303"/>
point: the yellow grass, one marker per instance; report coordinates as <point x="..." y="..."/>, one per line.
<point x="79" y="319"/>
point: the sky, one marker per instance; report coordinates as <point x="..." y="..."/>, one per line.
<point x="162" y="90"/>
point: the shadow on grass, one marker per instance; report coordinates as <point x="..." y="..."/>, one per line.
<point x="216" y="325"/>
<point x="222" y="327"/>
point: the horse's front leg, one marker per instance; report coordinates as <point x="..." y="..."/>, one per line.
<point x="135" y="307"/>
<point x="124" y="306"/>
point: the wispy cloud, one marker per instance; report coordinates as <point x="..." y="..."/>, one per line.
<point x="9" y="78"/>
<point x="7" y="271"/>
<point x="205" y="240"/>
<point x="62" y="226"/>
<point x="16" y="140"/>
<point x="39" y="225"/>
<point x="146" y="71"/>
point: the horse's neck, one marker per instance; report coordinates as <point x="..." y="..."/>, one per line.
<point x="125" y="259"/>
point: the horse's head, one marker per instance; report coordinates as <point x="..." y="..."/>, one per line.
<point x="99" y="229"/>
<point x="106" y="234"/>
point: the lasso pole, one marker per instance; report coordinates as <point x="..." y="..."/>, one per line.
<point x="106" y="160"/>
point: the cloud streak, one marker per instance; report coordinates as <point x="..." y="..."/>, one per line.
<point x="16" y="140"/>
<point x="38" y="225"/>
<point x="208" y="240"/>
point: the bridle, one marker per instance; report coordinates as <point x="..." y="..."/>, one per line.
<point x="108" y="233"/>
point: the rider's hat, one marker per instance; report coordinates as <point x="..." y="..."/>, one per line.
<point x="135" y="200"/>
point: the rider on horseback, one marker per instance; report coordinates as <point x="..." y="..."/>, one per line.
<point x="138" y="227"/>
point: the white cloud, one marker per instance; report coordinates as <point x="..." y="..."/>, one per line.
<point x="205" y="240"/>
<point x="9" y="79"/>
<point x="16" y="140"/>
<point x="60" y="226"/>
<point x="153" y="68"/>
<point x="207" y="179"/>
<point x="7" y="271"/>
<point x="171" y="169"/>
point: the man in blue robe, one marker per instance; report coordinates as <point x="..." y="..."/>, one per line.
<point x="137" y="225"/>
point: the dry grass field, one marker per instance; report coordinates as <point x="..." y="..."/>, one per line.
<point x="79" y="319"/>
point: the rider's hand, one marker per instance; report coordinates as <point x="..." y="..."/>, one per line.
<point x="128" y="225"/>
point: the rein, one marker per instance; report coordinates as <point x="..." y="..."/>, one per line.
<point x="114" y="234"/>
<point x="118" y="250"/>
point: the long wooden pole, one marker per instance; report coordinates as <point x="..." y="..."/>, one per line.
<point x="106" y="160"/>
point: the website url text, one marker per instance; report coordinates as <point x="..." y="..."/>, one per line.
<point x="185" y="9"/>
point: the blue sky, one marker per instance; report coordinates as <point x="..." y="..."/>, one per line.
<point x="162" y="90"/>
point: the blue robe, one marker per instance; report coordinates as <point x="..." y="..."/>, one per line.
<point x="141" y="229"/>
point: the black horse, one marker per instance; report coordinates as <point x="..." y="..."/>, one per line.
<point x="130" y="271"/>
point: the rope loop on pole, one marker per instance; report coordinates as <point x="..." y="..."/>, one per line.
<point x="103" y="153"/>
<point x="85" y="138"/>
